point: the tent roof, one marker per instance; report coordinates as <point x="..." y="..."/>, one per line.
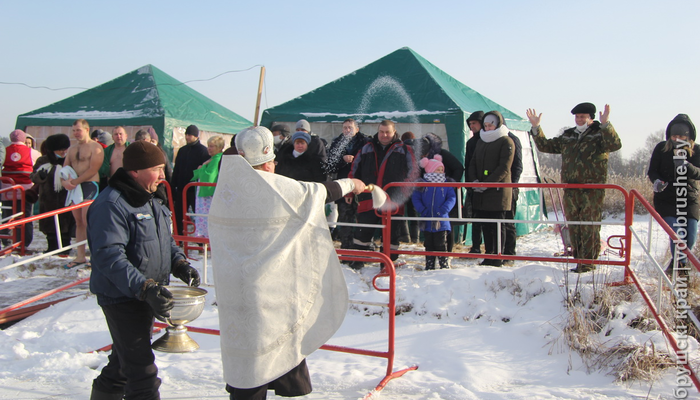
<point x="139" y="97"/>
<point x="402" y="86"/>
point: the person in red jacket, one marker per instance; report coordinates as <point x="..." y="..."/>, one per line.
<point x="18" y="166"/>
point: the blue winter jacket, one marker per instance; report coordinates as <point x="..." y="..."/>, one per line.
<point x="130" y="237"/>
<point x="434" y="202"/>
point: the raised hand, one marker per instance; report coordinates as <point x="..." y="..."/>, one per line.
<point x="533" y="117"/>
<point x="605" y="114"/>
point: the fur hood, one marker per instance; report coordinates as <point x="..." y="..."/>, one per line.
<point x="432" y="144"/>
<point x="681" y="119"/>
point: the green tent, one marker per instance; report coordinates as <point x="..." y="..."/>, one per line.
<point x="139" y="99"/>
<point x="419" y="97"/>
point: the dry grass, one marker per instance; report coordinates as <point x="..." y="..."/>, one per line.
<point x="586" y="328"/>
<point x="635" y="363"/>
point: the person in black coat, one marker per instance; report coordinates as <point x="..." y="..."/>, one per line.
<point x="384" y="159"/>
<point x="341" y="154"/>
<point x="677" y="160"/>
<point x="52" y="196"/>
<point x="515" y="171"/>
<point x="298" y="163"/>
<point x="189" y="158"/>
<point x="475" y="125"/>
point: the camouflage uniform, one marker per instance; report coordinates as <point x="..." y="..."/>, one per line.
<point x="584" y="159"/>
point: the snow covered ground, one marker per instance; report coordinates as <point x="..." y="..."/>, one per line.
<point x="474" y="332"/>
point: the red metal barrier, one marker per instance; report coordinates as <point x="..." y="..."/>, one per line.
<point x="13" y="189"/>
<point x="389" y="272"/>
<point x="681" y="354"/>
<point x="625" y="240"/>
<point x="16" y="312"/>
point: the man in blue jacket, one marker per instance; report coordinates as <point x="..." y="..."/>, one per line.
<point x="133" y="255"/>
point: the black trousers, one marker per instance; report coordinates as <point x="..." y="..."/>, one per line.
<point x="435" y="241"/>
<point x="476" y="235"/>
<point x="131" y="369"/>
<point x="399" y="232"/>
<point x="511" y="235"/>
<point x="177" y="203"/>
<point x="346" y="213"/>
<point x="491" y="230"/>
<point x="296" y="382"/>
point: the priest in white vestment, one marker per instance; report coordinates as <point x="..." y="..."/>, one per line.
<point x="280" y="289"/>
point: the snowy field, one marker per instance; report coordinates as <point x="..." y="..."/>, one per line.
<point x="474" y="332"/>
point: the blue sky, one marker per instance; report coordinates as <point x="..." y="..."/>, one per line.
<point x="641" y="57"/>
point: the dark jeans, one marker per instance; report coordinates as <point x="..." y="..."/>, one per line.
<point x="131" y="368"/>
<point x="296" y="382"/>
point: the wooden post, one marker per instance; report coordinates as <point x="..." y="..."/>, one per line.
<point x="257" y="103"/>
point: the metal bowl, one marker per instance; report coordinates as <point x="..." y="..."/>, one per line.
<point x="189" y="303"/>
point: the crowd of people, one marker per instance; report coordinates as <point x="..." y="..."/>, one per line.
<point x="286" y="181"/>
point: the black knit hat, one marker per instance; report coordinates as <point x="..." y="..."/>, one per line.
<point x="584" y="108"/>
<point x="142" y="155"/>
<point x="192" y="130"/>
<point x="57" y="142"/>
<point x="476" y="116"/>
<point x="282" y="129"/>
<point x="682" y="125"/>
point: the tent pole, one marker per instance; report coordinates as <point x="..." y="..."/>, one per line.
<point x="257" y="103"/>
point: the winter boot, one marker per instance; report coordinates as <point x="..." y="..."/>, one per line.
<point x="444" y="262"/>
<point x="65" y="241"/>
<point x="98" y="395"/>
<point x="583" y="268"/>
<point x="429" y="262"/>
<point x="52" y="243"/>
<point x="356" y="265"/>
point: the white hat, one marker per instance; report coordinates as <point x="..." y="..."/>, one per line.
<point x="256" y="145"/>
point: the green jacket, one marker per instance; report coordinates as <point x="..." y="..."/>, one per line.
<point x="104" y="169"/>
<point x="584" y="158"/>
<point x="207" y="173"/>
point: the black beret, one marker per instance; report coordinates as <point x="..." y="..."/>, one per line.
<point x="584" y="108"/>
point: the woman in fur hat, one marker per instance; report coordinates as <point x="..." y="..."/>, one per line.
<point x="52" y="195"/>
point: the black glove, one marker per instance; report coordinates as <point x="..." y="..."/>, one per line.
<point x="159" y="298"/>
<point x="186" y="273"/>
<point x="42" y="174"/>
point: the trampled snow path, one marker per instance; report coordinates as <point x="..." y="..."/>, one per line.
<point x="475" y="332"/>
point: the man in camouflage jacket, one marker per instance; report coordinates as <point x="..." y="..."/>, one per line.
<point x="584" y="153"/>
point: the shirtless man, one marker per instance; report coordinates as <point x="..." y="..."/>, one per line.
<point x="115" y="160"/>
<point x="86" y="159"/>
<point x="113" y="155"/>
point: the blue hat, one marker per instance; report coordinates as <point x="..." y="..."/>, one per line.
<point x="301" y="135"/>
